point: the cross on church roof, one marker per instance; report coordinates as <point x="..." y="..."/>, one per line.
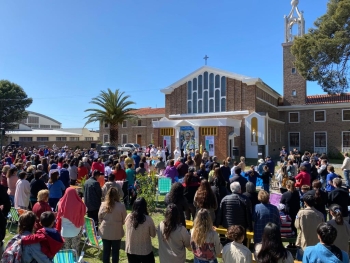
<point x="206" y="58"/>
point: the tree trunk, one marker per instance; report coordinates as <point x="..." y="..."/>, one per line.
<point x="113" y="134"/>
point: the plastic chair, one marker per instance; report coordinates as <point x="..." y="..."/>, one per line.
<point x="92" y="239"/>
<point x="68" y="256"/>
<point x="13" y="217"/>
<point x="164" y="185"/>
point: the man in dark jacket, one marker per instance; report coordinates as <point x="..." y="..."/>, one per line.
<point x="5" y="206"/>
<point x="339" y="196"/>
<point x="182" y="169"/>
<point x="307" y="164"/>
<point x="93" y="195"/>
<point x="235" y="209"/>
<point x="271" y="164"/>
<point x="239" y="178"/>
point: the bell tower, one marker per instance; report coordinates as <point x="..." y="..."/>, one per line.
<point x="294" y="85"/>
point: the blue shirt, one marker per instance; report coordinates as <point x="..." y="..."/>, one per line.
<point x="56" y="189"/>
<point x="263" y="214"/>
<point x="130" y="176"/>
<point x="330" y="177"/>
<point x="137" y="160"/>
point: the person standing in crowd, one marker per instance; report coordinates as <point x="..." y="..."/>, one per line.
<point x="202" y="173"/>
<point x="93" y="195"/>
<point x="205" y="242"/>
<point x="242" y="163"/>
<point x="139" y="230"/>
<point x="343" y="228"/>
<point x="40" y="207"/>
<point x="251" y="194"/>
<point x="340" y="197"/>
<point x="36" y="185"/>
<point x="225" y="171"/>
<point x="205" y="198"/>
<point x="173" y="237"/>
<point x="321" y="197"/>
<point x="325" y="251"/>
<point x="271" y="248"/>
<point x="271" y="165"/>
<point x="235" y="251"/>
<point x="291" y="200"/>
<point x="119" y="173"/>
<point x="22" y="192"/>
<point x="82" y="171"/>
<point x="11" y="183"/>
<point x="306" y="223"/>
<point x="191" y="184"/>
<point x="171" y="171"/>
<point x="70" y="219"/>
<point x="73" y="172"/>
<point x="56" y="188"/>
<point x="252" y="175"/>
<point x="111" y="215"/>
<point x="112" y="183"/>
<point x="322" y="172"/>
<point x="239" y="178"/>
<point x="98" y="165"/>
<point x="4" y="171"/>
<point x="182" y="169"/>
<point x="5" y="207"/>
<point x="177" y="153"/>
<point x="346" y="168"/>
<point x="303" y="178"/>
<point x="266" y="176"/>
<point x="329" y="181"/>
<point x="197" y="159"/>
<point x="264" y="213"/>
<point x="176" y="196"/>
<point x="261" y="164"/>
<point x="64" y="175"/>
<point x="160" y="165"/>
<point x="235" y="209"/>
<point x="283" y="154"/>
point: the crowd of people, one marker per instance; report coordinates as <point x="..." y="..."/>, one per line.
<point x="41" y="184"/>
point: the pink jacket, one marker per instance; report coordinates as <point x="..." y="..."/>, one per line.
<point x="11" y="183"/>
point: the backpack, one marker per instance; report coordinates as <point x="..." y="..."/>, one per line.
<point x="13" y="251"/>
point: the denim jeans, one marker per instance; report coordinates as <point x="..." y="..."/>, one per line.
<point x="346" y="176"/>
<point x="196" y="260"/>
<point x="107" y="246"/>
<point x="12" y="199"/>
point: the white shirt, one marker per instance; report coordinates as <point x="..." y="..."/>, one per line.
<point x="177" y="154"/>
<point x="236" y="253"/>
<point x="95" y="154"/>
<point x="108" y="170"/>
<point x="22" y="193"/>
<point x="346" y="163"/>
<point x="68" y="229"/>
<point x="153" y="152"/>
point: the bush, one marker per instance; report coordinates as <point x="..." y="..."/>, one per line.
<point x="146" y="188"/>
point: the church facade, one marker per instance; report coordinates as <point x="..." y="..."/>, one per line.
<point x="235" y="115"/>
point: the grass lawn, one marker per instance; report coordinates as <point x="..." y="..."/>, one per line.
<point x="93" y="256"/>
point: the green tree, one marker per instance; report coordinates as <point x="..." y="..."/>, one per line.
<point x="323" y="53"/>
<point x="13" y="104"/>
<point x="114" y="109"/>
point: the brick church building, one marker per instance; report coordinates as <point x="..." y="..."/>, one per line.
<point x="235" y="115"/>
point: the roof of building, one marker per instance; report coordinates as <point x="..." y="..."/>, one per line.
<point x="42" y="132"/>
<point x="328" y="98"/>
<point x="42" y="115"/>
<point x="149" y="111"/>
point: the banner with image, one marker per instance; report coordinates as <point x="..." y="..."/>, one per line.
<point x="167" y="142"/>
<point x="187" y="141"/>
<point x="209" y="145"/>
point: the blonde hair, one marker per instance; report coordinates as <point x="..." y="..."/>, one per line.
<point x="112" y="197"/>
<point x="263" y="197"/>
<point x="290" y="186"/>
<point x="43" y="195"/>
<point x="202" y="225"/>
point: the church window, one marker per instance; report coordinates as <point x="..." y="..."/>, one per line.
<point x="211" y="105"/>
<point x="189" y="107"/>
<point x="223" y="104"/>
<point x="206" y="93"/>
<point x="205" y="80"/>
<point x="206" y="106"/>
<point x="189" y="90"/>
<point x="294" y="71"/>
<point x="200" y="89"/>
<point x="194" y="102"/>
<point x="211" y="85"/>
<point x="217" y="100"/>
<point x="319" y="115"/>
<point x="294" y="92"/>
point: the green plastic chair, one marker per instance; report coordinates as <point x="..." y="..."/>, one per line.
<point x="92" y="239"/>
<point x="67" y="256"/>
<point x="164" y="185"/>
<point x="13" y="217"/>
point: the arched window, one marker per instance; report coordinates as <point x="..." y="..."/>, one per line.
<point x="189" y="90"/>
<point x="205" y="80"/>
<point x="223" y="104"/>
<point x="211" y="85"/>
<point x="206" y="106"/>
<point x="223" y="86"/>
<point x="200" y="106"/>
<point x="211" y="105"/>
<point x="200" y="88"/>
<point x="195" y="84"/>
<point x="189" y="107"/>
<point x="194" y="102"/>
<point x="217" y="81"/>
<point x="217" y="100"/>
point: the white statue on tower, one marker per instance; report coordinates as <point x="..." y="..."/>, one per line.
<point x="291" y="20"/>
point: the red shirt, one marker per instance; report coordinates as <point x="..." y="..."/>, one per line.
<point x="98" y="166"/>
<point x="303" y="178"/>
<point x="119" y="175"/>
<point x="82" y="171"/>
<point x="38" y="209"/>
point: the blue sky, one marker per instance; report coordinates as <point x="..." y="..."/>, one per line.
<point x="64" y="52"/>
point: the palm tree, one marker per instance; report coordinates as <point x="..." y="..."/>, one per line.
<point x="114" y="109"/>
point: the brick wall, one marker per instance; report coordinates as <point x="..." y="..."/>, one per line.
<point x="261" y="106"/>
<point x="306" y="126"/>
<point x="276" y="138"/>
<point x="176" y="102"/>
<point x="292" y="81"/>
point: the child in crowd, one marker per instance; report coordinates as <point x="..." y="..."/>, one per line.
<point x="49" y="238"/>
<point x="286" y="222"/>
<point x="304" y="189"/>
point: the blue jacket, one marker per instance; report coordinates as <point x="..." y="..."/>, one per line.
<point x="64" y="177"/>
<point x="137" y="160"/>
<point x="271" y="165"/>
<point x="330" y="177"/>
<point x="321" y="254"/>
